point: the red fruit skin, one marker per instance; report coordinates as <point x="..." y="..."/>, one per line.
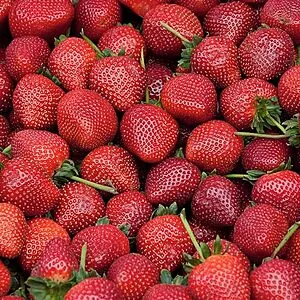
<point x="82" y="127"/>
<point x="5" y="279"/>
<point x="293" y="250"/>
<point x="266" y="53"/>
<point x="213" y="145"/>
<point x="94" y="288"/>
<point x="95" y="17"/>
<point x="6" y="89"/>
<point x="79" y="206"/>
<point x="35" y="101"/>
<point x="43" y="18"/>
<point x="149" y="132"/>
<point x="259" y="230"/>
<point x="244" y="191"/>
<point x="275" y="279"/>
<point x="140" y="273"/>
<point x="46" y="149"/>
<point x="216" y="57"/>
<point x="130" y="208"/>
<point x="4" y="11"/>
<point x="160" y="41"/>
<point x="111" y="165"/>
<point x="254" y="1"/>
<point x="13" y="229"/>
<point x="238" y="101"/>
<point x="26" y="55"/>
<point x="4" y="132"/>
<point x="3" y="159"/>
<point x="284" y="15"/>
<point x="190" y="98"/>
<point x="41" y="231"/>
<point x="168" y="291"/>
<point x="71" y="62"/>
<point x="164" y="240"/>
<point x="105" y="243"/>
<point x="232" y="20"/>
<point x="220" y="276"/>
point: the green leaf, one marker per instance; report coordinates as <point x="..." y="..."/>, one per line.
<point x="217" y="245"/>
<point x="103" y="221"/>
<point x="125" y="228"/>
<point x="293" y="130"/>
<point x="65" y="172"/>
<point x="166" y="277"/>
<point x="163" y="210"/>
<point x="179" y="153"/>
<point x="205" y="250"/>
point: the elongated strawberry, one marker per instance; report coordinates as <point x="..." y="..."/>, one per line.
<point x="4" y="132"/>
<point x="6" y="89"/>
<point x="5" y="279"/>
<point x="168" y="291"/>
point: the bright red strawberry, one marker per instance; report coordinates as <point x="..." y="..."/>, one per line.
<point x="111" y="165"/>
<point x="105" y="243"/>
<point x="6" y="89"/>
<point x="119" y="79"/>
<point x="275" y="279"/>
<point x="214" y="146"/>
<point x="293" y="251"/>
<point x="168" y="291"/>
<point x="4" y="131"/>
<point x="41" y="231"/>
<point x="149" y="132"/>
<point x="35" y="101"/>
<point x="79" y="206"/>
<point x="164" y="240"/>
<point x="5" y="6"/>
<point x="190" y="98"/>
<point x="259" y="230"/>
<point x="162" y="42"/>
<point x="95" y="17"/>
<point x="26" y="55"/>
<point x="5" y="279"/>
<point x="46" y="149"/>
<point x="140" y="273"/>
<point x="131" y="208"/>
<point x="12" y="298"/>
<point x="266" y="53"/>
<point x="13" y="229"/>
<point x="82" y="127"/>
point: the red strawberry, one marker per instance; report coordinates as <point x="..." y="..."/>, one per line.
<point x="6" y="89"/>
<point x="162" y="42"/>
<point x="140" y="273"/>
<point x="293" y="251"/>
<point x="12" y="298"/>
<point x="123" y="37"/>
<point x="214" y="146"/>
<point x="131" y="208"/>
<point x="5" y="6"/>
<point x="105" y="243"/>
<point x="79" y="206"/>
<point x="119" y="79"/>
<point x="275" y="279"/>
<point x="149" y="132"/>
<point x="190" y="98"/>
<point x="4" y="132"/>
<point x="164" y="240"/>
<point x="5" y="279"/>
<point x="41" y="231"/>
<point x="168" y="291"/>
<point x="82" y="127"/>
<point x="259" y="230"/>
<point x="26" y="55"/>
<point x="46" y="149"/>
<point x="254" y="1"/>
<point x="3" y="159"/>
<point x="13" y="229"/>
<point x="96" y="16"/>
<point x="35" y="101"/>
<point x="44" y="18"/>
<point x="266" y="53"/>
<point x="112" y="165"/>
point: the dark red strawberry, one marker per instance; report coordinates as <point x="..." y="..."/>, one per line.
<point x="43" y="18"/>
<point x="35" y="101"/>
<point x="168" y="291"/>
<point x="293" y="251"/>
<point x="4" y="132"/>
<point x="5" y="279"/>
<point x="95" y="17"/>
<point x="6" y="89"/>
<point x="190" y="98"/>
<point x="5" y="6"/>
<point x="244" y="190"/>
<point x="162" y="42"/>
<point x="266" y="53"/>
<point x="254" y="1"/>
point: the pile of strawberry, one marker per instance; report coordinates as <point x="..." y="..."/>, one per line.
<point x="153" y="160"/>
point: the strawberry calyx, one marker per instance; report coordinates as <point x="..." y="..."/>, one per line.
<point x="166" y="278"/>
<point x="123" y="227"/>
<point x="293" y="130"/>
<point x="165" y="210"/>
<point x="60" y="39"/>
<point x="46" y="72"/>
<point x="179" y="153"/>
<point x="92" y="44"/>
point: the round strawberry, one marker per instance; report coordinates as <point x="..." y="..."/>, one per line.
<point x="4" y="132"/>
<point x="168" y="291"/>
<point x="6" y="89"/>
<point x="293" y="251"/>
<point x="5" y="280"/>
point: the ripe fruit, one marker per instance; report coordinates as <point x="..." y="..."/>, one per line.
<point x="4" y="11"/>
<point x="3" y="159"/>
<point x="203" y="232"/>
<point x="5" y="279"/>
<point x="168" y="291"/>
<point x="6" y="89"/>
<point x="293" y="251"/>
<point x="4" y="131"/>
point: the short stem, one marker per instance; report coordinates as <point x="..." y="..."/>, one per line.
<point x="147" y="96"/>
<point x="277" y="124"/>
<point x="262" y="135"/>
<point x="83" y="257"/>
<point x="142" y="60"/>
<point x="176" y="33"/>
<point x="241" y="176"/>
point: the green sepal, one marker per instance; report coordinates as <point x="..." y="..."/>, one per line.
<point x="293" y="130"/>
<point x="205" y="250"/>
<point x="165" y="210"/>
<point x="190" y="262"/>
<point x="179" y="153"/>
<point x="65" y="172"/>
<point x="125" y="228"/>
<point x="217" y="245"/>
<point x="6" y="151"/>
<point x="186" y="53"/>
<point x="46" y="72"/>
<point x="166" y="278"/>
<point x="102" y="221"/>
<point x="60" y="39"/>
<point x="283" y="166"/>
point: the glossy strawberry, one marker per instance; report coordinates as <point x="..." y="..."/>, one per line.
<point x="293" y="251"/>
<point x="5" y="279"/>
<point x="12" y="298"/>
<point x="6" y="89"/>
<point x="4" y="132"/>
<point x="5" y="6"/>
<point x="168" y="291"/>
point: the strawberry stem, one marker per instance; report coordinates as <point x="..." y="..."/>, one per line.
<point x="176" y="33"/>
<point x="92" y="44"/>
<point x="298" y="56"/>
<point x="262" y="135"/>
<point x="83" y="257"/>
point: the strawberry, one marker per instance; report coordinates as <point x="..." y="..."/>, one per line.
<point x="275" y="279"/>
<point x="214" y="146"/>
<point x="12" y="298"/>
<point x="140" y="273"/>
<point x="168" y="291"/>
<point x="4" y="131"/>
<point x="113" y="165"/>
<point x="284" y="15"/>
<point x="43" y="18"/>
<point x="5" y="6"/>
<point x="3" y="159"/>
<point x="131" y="208"/>
<point x="81" y="127"/>
<point x="105" y="243"/>
<point x="26" y="55"/>
<point x="95" y="17"/>
<point x="254" y="1"/>
<point x="6" y="89"/>
<point x="293" y="251"/>
<point x="162" y="42"/>
<point x="259" y="230"/>
<point x="190" y="98"/>
<point x="148" y="132"/>
<point x="46" y="149"/>
<point x="5" y="280"/>
<point x="79" y="206"/>
<point x="119" y="79"/>
<point x="41" y="231"/>
<point x="35" y="101"/>
<point x="266" y="53"/>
